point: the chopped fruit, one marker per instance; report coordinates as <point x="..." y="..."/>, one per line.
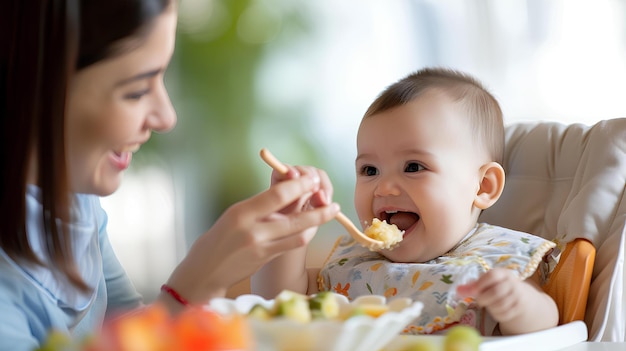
<point x="57" y="340"/>
<point x="153" y="329"/>
<point x="462" y="338"/>
<point x="295" y="308"/>
<point x="286" y="295"/>
<point x="371" y="310"/>
<point x="260" y="312"/>
<point x="421" y="345"/>
<point x="324" y="305"/>
<point x="201" y="329"/>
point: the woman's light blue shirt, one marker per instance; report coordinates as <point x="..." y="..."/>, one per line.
<point x="35" y="299"/>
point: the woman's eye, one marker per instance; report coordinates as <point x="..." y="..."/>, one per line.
<point x="369" y="171"/>
<point x="413" y="167"/>
<point x="136" y="95"/>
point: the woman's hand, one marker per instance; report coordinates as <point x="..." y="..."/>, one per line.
<point x="252" y="232"/>
<point x="321" y="197"/>
<point x="288" y="270"/>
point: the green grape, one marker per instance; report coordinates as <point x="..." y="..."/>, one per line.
<point x="462" y="338"/>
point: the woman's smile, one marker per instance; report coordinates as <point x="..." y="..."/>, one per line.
<point x="121" y="158"/>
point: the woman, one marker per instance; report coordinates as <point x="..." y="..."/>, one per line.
<point x="81" y="90"/>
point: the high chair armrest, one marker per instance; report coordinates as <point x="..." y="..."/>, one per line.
<point x="569" y="283"/>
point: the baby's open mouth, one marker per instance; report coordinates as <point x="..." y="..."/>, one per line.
<point x="403" y="220"/>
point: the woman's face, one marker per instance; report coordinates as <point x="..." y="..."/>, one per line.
<point x="113" y="107"/>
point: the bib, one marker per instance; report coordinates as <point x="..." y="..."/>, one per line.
<point x="353" y="270"/>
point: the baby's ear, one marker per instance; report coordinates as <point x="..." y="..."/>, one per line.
<point x="491" y="185"/>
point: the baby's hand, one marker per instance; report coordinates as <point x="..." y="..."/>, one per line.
<point x="501" y="292"/>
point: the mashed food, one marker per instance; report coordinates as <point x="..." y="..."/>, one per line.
<point x="382" y="231"/>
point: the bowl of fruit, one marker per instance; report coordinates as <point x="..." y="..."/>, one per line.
<point x="324" y="321"/>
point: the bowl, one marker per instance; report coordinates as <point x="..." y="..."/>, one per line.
<point x="361" y="332"/>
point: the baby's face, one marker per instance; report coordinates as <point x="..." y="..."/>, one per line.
<point x="418" y="167"/>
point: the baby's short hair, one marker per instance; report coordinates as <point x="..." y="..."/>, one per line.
<point x="483" y="109"/>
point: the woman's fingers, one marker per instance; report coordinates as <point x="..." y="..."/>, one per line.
<point x="325" y="194"/>
<point x="284" y="193"/>
<point x="292" y="173"/>
<point x="280" y="195"/>
<point x="279" y="227"/>
<point x="261" y="215"/>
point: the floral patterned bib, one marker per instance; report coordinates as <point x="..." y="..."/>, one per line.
<point x="353" y="270"/>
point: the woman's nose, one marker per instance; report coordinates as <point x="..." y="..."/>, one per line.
<point x="163" y="116"/>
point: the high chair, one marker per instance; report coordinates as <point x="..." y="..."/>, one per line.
<point x="566" y="183"/>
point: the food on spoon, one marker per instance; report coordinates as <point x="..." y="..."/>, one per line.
<point x="389" y="234"/>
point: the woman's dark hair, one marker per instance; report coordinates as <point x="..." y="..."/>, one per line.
<point x="43" y="43"/>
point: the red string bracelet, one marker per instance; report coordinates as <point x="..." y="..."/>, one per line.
<point x="173" y="293"/>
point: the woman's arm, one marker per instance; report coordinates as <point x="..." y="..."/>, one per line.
<point x="247" y="236"/>
<point x="287" y="271"/>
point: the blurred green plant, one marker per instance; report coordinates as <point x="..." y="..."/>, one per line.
<point x="213" y="82"/>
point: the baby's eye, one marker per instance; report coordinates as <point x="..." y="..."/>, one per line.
<point x="414" y="167"/>
<point x="369" y="171"/>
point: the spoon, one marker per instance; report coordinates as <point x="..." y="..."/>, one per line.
<point x="358" y="235"/>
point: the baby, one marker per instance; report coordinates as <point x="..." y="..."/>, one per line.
<point x="429" y="154"/>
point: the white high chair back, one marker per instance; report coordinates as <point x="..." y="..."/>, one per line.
<point x="566" y="182"/>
